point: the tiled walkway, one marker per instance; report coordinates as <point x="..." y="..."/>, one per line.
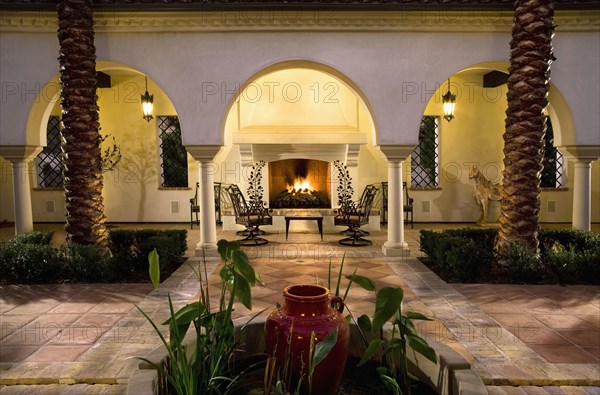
<point x="521" y="339"/>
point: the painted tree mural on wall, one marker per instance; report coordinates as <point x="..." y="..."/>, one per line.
<point x="528" y="86"/>
<point x="81" y="139"/>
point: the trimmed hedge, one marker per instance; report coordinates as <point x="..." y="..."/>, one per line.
<point x="29" y="259"/>
<point x="131" y="247"/>
<point x="466" y="255"/>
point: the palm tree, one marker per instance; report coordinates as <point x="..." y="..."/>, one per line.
<point x="528" y="85"/>
<point x="81" y="139"/>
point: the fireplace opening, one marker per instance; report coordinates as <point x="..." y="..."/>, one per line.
<point x="299" y="183"/>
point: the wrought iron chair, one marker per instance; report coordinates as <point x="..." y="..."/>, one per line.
<point x="408" y="206"/>
<point x="194" y="209"/>
<point x="195" y="206"/>
<point x="217" y="186"/>
<point x="354" y="216"/>
<point x="251" y="216"/>
<point x="384" y="202"/>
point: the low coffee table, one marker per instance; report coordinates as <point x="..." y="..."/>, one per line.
<point x="304" y="217"/>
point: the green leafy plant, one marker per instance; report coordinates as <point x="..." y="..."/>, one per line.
<point x="317" y="352"/>
<point x="206" y="367"/>
<point x="392" y="350"/>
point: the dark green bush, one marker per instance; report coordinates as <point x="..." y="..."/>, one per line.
<point x="566" y="256"/>
<point x="484" y="238"/>
<point x="29" y="263"/>
<point x="37" y="237"/>
<point x="29" y="259"/>
<point x="87" y="263"/>
<point x="427" y="241"/>
<point x="131" y="247"/>
<point x="524" y="265"/>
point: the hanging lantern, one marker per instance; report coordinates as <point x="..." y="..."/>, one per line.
<point x="449" y="101"/>
<point x="147" y="103"/>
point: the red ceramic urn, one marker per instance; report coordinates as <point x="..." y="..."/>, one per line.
<point x="307" y="309"/>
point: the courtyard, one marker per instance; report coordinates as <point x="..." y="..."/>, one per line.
<point x="520" y="339"/>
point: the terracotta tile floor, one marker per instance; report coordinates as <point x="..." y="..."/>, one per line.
<point x="540" y="338"/>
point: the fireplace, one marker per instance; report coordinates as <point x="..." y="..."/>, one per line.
<point x="299" y="183"/>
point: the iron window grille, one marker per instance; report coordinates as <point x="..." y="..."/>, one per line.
<point x="553" y="170"/>
<point x="49" y="162"/>
<point x="173" y="156"/>
<point x="425" y="172"/>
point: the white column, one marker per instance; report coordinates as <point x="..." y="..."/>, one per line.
<point x="582" y="157"/>
<point x="22" y="197"/>
<point x="395" y="244"/>
<point x="206" y="196"/>
<point x="582" y="207"/>
<point x="20" y="156"/>
<point x="204" y="155"/>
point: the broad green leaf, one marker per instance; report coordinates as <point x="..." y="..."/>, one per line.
<point x="387" y="303"/>
<point x="373" y="347"/>
<point x="364" y="323"/>
<point x="187" y="313"/>
<point x="225" y="248"/>
<point x="364" y="282"/>
<point x="222" y="247"/>
<point x="323" y="348"/>
<point x="243" y="266"/>
<point x="406" y="325"/>
<point x="217" y="318"/>
<point x="243" y="292"/>
<point x="154" y="268"/>
<point x="413" y="315"/>
<point x="227" y="275"/>
<point x="337" y="288"/>
<point x="329" y="276"/>
<point x="420" y="345"/>
<point x="395" y="343"/>
<point x="389" y="383"/>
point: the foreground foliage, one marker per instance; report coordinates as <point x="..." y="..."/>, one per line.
<point x="30" y="259"/>
<point x="206" y="366"/>
<point x="567" y="256"/>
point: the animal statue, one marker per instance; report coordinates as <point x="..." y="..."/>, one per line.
<point x="485" y="191"/>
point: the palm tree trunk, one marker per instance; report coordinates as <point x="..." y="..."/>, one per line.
<point x="81" y="139"/>
<point x="528" y="86"/>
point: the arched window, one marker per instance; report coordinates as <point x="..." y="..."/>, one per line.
<point x="172" y="153"/>
<point x="425" y="158"/>
<point x="49" y="163"/>
<point x="553" y="170"/>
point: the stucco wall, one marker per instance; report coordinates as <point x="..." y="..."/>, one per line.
<point x="395" y="73"/>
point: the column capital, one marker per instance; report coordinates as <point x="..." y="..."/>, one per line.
<point x="396" y="152"/>
<point x="20" y="153"/>
<point x="203" y="153"/>
<point x="586" y="153"/>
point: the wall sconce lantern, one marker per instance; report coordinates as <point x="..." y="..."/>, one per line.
<point x="449" y="101"/>
<point x="147" y="103"/>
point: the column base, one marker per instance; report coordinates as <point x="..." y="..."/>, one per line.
<point x="210" y="250"/>
<point x="395" y="250"/>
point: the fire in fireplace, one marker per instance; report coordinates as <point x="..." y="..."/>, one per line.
<point x="299" y="183"/>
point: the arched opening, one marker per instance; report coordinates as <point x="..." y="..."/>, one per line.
<point x="474" y="139"/>
<point x="299" y="117"/>
<point x="147" y="148"/>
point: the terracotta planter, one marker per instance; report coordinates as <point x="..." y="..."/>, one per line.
<point x="307" y="309"/>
